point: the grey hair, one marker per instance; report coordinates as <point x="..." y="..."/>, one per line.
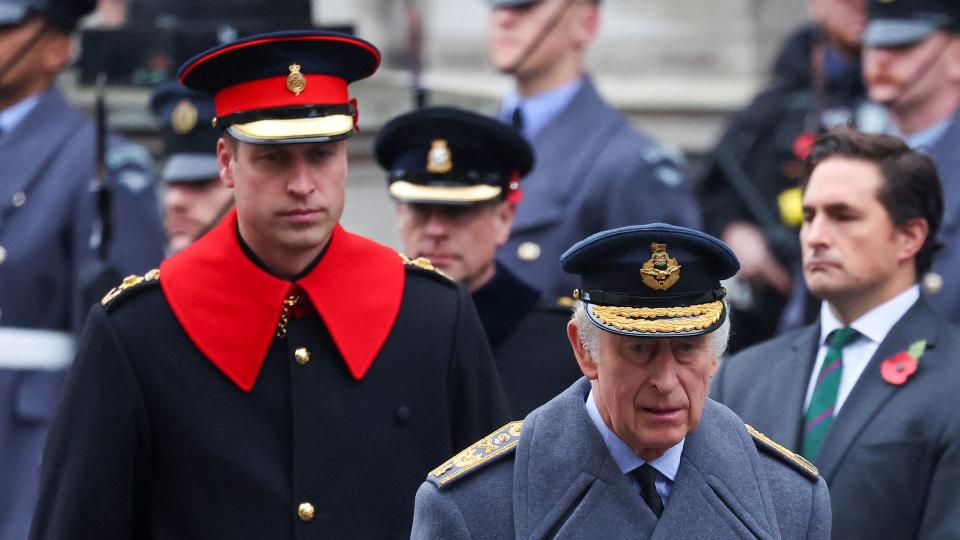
<point x="589" y="334"/>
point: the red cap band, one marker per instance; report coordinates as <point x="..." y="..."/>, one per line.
<point x="272" y="93"/>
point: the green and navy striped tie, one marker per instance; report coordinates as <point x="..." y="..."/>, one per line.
<point x="820" y="413"/>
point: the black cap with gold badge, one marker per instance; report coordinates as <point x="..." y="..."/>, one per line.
<point x="189" y="141"/>
<point x="655" y="280"/>
<point x="444" y="155"/>
<point x="284" y="87"/>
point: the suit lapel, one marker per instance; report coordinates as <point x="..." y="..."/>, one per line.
<point x="581" y="492"/>
<point x="871" y="392"/>
<point x="38" y="137"/>
<point x="789" y="387"/>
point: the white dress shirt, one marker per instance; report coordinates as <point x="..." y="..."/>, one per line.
<point x="873" y="326"/>
<point x="626" y="460"/>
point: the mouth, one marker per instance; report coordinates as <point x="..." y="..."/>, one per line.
<point x="819" y="266"/>
<point x="664" y="414"/>
<point x="302" y="215"/>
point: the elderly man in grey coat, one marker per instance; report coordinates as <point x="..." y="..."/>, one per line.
<point x="635" y="449"/>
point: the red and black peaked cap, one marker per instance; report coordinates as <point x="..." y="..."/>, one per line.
<point x="284" y="87"/>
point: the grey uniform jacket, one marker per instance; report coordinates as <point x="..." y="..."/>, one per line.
<point x="593" y="172"/>
<point x="554" y="478"/>
<point x="946" y="298"/>
<point x="46" y="215"/>
<point x="892" y="457"/>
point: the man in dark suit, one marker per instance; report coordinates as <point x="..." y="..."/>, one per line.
<point x="594" y="171"/>
<point x="911" y="66"/>
<point x="280" y="377"/>
<point x="869" y="393"/>
<point x="635" y="449"/>
<point x="48" y="154"/>
<point x="456" y="178"/>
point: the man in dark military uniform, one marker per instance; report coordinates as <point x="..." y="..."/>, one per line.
<point x="747" y="188"/>
<point x="594" y="171"/>
<point x="194" y="199"/>
<point x="456" y="178"/>
<point x="635" y="449"/>
<point x="911" y="62"/>
<point x="280" y="377"/>
<point x="47" y="163"/>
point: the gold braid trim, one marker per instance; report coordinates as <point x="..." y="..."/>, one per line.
<point x="681" y="319"/>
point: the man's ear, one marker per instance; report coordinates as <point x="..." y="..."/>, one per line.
<point x="584" y="359"/>
<point x="505" y="212"/>
<point x="225" y="161"/>
<point x="912" y="234"/>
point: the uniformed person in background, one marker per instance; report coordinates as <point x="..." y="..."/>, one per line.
<point x="634" y="450"/>
<point x="456" y="178"/>
<point x="194" y="199"/>
<point x="594" y="171"/>
<point x="748" y="185"/>
<point x="48" y="153"/>
<point x="911" y="63"/>
<point x="280" y="377"/>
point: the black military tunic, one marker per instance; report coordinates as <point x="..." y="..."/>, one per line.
<point x="529" y="341"/>
<point x="156" y="439"/>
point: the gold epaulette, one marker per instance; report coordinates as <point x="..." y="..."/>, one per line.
<point x="795" y="460"/>
<point x="566" y="302"/>
<point x="498" y="443"/>
<point x="128" y="283"/>
<point x="422" y="263"/>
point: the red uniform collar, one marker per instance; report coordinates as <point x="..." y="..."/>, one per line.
<point x="230" y="308"/>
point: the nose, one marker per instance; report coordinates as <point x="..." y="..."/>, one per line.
<point x="436" y="223"/>
<point x="814" y="233"/>
<point x="175" y="198"/>
<point x="300" y="183"/>
<point x="663" y="372"/>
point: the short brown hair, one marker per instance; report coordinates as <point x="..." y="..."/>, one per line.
<point x="911" y="186"/>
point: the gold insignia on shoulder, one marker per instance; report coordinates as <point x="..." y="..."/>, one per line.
<point x="296" y="82"/>
<point x="422" y="263"/>
<point x="799" y="462"/>
<point x="184" y="116"/>
<point x="130" y="282"/>
<point x="662" y="271"/>
<point x="496" y="444"/>
<point x="439" y="159"/>
<point x="568" y="302"/>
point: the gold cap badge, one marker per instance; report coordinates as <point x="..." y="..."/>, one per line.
<point x="296" y="82"/>
<point x="183" y="118"/>
<point x="439" y="160"/>
<point x="660" y="272"/>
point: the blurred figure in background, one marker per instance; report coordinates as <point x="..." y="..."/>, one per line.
<point x="594" y="171"/>
<point x="911" y="62"/>
<point x="456" y="178"/>
<point x="48" y="158"/>
<point x="748" y="186"/>
<point x="194" y="199"/>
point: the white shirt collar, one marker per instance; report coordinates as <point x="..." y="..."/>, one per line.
<point x="876" y="323"/>
<point x="539" y="109"/>
<point x="11" y="117"/>
<point x="623" y="455"/>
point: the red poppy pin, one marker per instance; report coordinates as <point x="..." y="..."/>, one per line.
<point x="803" y="144"/>
<point x="898" y="368"/>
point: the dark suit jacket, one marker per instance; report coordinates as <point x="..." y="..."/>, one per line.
<point x="528" y="339"/>
<point x="561" y="482"/>
<point x="593" y="172"/>
<point x="892" y="457"/>
<point x="944" y="154"/>
<point x="46" y="215"/>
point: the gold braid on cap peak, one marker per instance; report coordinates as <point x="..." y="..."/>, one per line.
<point x="667" y="320"/>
